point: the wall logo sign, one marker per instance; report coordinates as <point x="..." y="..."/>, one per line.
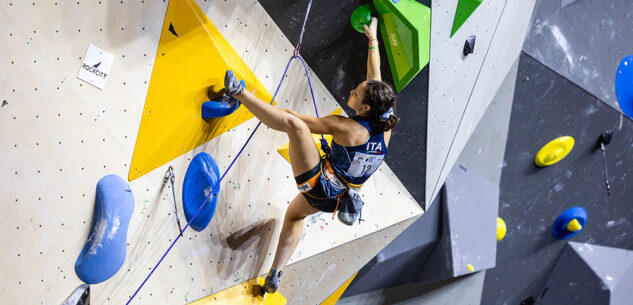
<point x="96" y="66"/>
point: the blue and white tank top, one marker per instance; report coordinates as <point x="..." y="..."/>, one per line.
<point x="355" y="164"/>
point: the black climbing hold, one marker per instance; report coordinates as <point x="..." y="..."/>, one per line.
<point x="172" y="30"/>
<point x="605" y="137"/>
<point x="528" y="301"/>
<point x="4" y="103"/>
<point x="469" y="45"/>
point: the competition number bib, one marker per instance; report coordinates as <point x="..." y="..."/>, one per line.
<point x="364" y="164"/>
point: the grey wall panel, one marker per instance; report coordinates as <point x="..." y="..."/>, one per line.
<point x="485" y="149"/>
<point x="547" y="106"/>
<point x="587" y="274"/>
<point x="465" y="290"/>
<point x="469" y="212"/>
<point x="461" y="88"/>
<point x="472" y="202"/>
<point x="573" y="282"/>
<point x="584" y="41"/>
<point x="402" y="259"/>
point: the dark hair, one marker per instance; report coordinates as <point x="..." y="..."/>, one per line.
<point x="381" y="97"/>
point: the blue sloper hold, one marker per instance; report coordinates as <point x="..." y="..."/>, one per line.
<point x="559" y="229"/>
<point x="105" y="250"/>
<point x="624" y="85"/>
<point x="222" y="107"/>
<point x="201" y="177"/>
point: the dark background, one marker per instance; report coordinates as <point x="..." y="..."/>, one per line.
<point x="546" y="106"/>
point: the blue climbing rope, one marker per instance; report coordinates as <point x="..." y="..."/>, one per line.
<point x="324" y="144"/>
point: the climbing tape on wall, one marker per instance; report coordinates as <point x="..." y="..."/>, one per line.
<point x="324" y="145"/>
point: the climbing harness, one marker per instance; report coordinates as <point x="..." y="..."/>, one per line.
<point x="169" y="175"/>
<point x="324" y="146"/>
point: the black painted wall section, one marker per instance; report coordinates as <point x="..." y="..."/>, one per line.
<point x="338" y="56"/>
<point x="547" y="106"/>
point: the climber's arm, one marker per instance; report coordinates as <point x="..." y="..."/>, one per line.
<point x="373" y="56"/>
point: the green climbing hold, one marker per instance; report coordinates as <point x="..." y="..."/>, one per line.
<point x="465" y="8"/>
<point x="360" y="16"/>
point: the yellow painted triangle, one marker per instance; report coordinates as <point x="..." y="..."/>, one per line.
<point x="285" y="149"/>
<point x="331" y="300"/>
<point x="249" y="292"/>
<point x="189" y="69"/>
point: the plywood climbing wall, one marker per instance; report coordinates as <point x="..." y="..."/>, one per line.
<point x="60" y="135"/>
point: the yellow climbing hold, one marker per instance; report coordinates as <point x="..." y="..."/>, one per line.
<point x="574" y="225"/>
<point x="501" y="229"/>
<point x="470" y="268"/>
<point x="249" y="292"/>
<point x="554" y="151"/>
<point x="285" y="149"/>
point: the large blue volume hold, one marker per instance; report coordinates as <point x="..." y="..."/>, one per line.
<point x="105" y="250"/>
<point x="202" y="175"/>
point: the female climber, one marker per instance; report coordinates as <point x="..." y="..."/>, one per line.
<point x="358" y="148"/>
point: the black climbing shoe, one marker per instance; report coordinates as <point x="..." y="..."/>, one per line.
<point x="231" y="85"/>
<point x="271" y="284"/>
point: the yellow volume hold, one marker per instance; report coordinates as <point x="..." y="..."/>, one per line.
<point x="189" y="69"/>
<point x="247" y="293"/>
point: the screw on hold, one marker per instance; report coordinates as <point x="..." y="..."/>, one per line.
<point x="469" y="45"/>
<point x="603" y="141"/>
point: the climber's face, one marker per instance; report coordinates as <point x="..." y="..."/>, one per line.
<point x="355" y="100"/>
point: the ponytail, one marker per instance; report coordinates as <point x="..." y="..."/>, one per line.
<point x="389" y="123"/>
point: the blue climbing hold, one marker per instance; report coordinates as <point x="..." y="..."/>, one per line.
<point x="222" y="107"/>
<point x="569" y="223"/>
<point x="104" y="252"/>
<point x="624" y="85"/>
<point x="202" y="175"/>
